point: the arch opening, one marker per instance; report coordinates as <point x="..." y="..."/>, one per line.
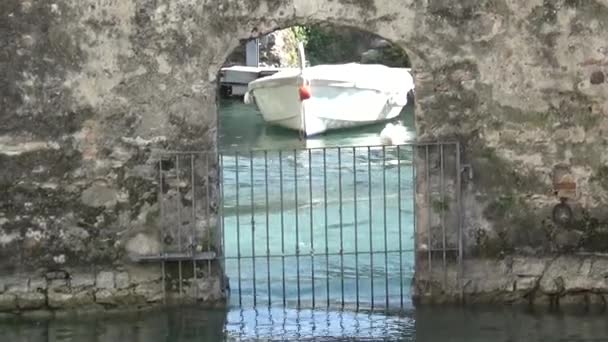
<point x="325" y="44"/>
<point x="319" y="221"/>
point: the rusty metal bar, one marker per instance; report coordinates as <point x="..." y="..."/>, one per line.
<point x="193" y="225"/>
<point x="295" y="186"/>
<point x="238" y="226"/>
<point x="267" y="227"/>
<point x="311" y="223"/>
<point x="221" y="202"/>
<point x="340" y="211"/>
<point x="282" y="226"/>
<point x="356" y="227"/>
<point x="207" y="206"/>
<point x="326" y="225"/>
<point x="400" y="227"/>
<point x="459" y="217"/>
<point x="371" y="234"/>
<point x="179" y="222"/>
<point x="162" y="226"/>
<point x="222" y="221"/>
<point x="252" y="202"/>
<point x="386" y="295"/>
<point x="442" y="207"/>
<point x="428" y="208"/>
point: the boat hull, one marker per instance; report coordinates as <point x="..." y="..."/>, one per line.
<point x="333" y="105"/>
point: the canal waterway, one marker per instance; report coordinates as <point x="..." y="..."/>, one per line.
<point x="427" y="325"/>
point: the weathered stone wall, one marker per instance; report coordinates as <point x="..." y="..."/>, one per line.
<point x="89" y="89"/>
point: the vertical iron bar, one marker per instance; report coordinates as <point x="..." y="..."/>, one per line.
<point x="415" y="193"/>
<point x="459" y="215"/>
<point x="238" y="226"/>
<point x="221" y="204"/>
<point x="207" y="206"/>
<point x="192" y="237"/>
<point x="267" y="226"/>
<point x="282" y="225"/>
<point x="341" y="223"/>
<point x="400" y="226"/>
<point x="179" y="223"/>
<point x="295" y="185"/>
<point x="428" y="208"/>
<point x="442" y="214"/>
<point x="164" y="281"/>
<point x="385" y="226"/>
<point x="162" y="226"/>
<point x="356" y="226"/>
<point x="326" y="224"/>
<point x="371" y="235"/>
<point x="312" y="243"/>
<point x="221" y="210"/>
<point x="255" y="299"/>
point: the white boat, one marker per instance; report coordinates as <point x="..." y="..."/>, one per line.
<point x="316" y="99"/>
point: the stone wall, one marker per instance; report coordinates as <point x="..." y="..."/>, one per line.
<point x="90" y="89"/>
<point x="136" y="288"/>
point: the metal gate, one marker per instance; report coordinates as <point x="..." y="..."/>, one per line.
<point x="311" y="228"/>
<point x="334" y="227"/>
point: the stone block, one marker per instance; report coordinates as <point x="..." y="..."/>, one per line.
<point x="143" y="244"/>
<point x="8" y="302"/>
<point x="528" y="266"/>
<point x="104" y="296"/>
<point x="82" y="280"/>
<point x="563" y="275"/>
<point x="58" y="300"/>
<point x="38" y="284"/>
<point x="144" y="274"/>
<point x="526" y="283"/>
<point x="122" y="280"/>
<point x="207" y="290"/>
<point x="17" y="284"/>
<point x="151" y="292"/>
<point x="99" y="195"/>
<point x="59" y="285"/>
<point x="116" y="298"/>
<point x="31" y="300"/>
<point x="56" y="275"/>
<point x="105" y="280"/>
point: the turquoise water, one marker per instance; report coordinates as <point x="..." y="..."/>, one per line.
<point x="341" y="211"/>
<point x="327" y="222"/>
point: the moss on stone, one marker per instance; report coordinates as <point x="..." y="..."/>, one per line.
<point x="498" y="177"/>
<point x="441" y="205"/>
<point x="368" y="6"/>
<point x="600" y="176"/>
<point x="487" y="246"/>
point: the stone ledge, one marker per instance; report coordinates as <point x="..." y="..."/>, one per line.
<point x="101" y="291"/>
<point x="558" y="281"/>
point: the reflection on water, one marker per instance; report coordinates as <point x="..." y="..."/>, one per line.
<point x="427" y="325"/>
